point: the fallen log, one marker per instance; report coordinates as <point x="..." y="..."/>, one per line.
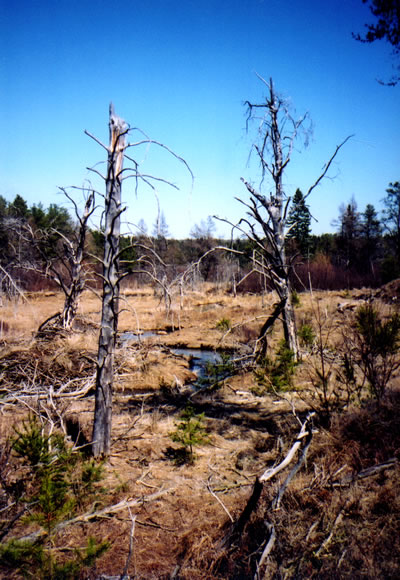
<point x="302" y="442"/>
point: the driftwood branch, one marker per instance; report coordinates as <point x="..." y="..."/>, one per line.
<point x="303" y="440"/>
<point x="267" y="550"/>
<point x="131" y="536"/>
<point x="219" y="501"/>
<point x="367" y="472"/>
<point x="103" y="513"/>
<point x="13" y="284"/>
<point x="303" y="437"/>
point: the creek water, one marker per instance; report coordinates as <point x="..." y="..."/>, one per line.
<point x="199" y="359"/>
<point x="129" y="336"/>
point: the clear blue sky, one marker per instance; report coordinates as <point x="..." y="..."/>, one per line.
<point x="181" y="70"/>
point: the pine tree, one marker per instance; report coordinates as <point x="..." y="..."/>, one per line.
<point x="370" y="231"/>
<point x="391" y="225"/>
<point x="391" y="215"/>
<point x="299" y="223"/>
<point x="370" y="226"/>
<point x="349" y="230"/>
<point x="18" y="208"/>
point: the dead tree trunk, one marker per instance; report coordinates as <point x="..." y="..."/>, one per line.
<point x="267" y="221"/>
<point x="110" y="303"/>
<point x="116" y="174"/>
<point x="75" y="258"/>
<point x="299" y="447"/>
<point x="272" y="244"/>
<point x="64" y="265"/>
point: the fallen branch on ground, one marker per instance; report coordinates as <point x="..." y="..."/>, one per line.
<point x="88" y="516"/>
<point x="303" y="441"/>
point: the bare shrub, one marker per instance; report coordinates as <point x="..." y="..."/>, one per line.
<point x="376" y="346"/>
<point x="325" y="275"/>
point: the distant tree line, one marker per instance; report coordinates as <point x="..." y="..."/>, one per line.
<point x="363" y="251"/>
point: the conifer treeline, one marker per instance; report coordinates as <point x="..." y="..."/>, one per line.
<point x="363" y="251"/>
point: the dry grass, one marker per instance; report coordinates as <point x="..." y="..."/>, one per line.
<point x="324" y="530"/>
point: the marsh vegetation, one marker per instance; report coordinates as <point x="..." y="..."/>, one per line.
<point x="184" y="460"/>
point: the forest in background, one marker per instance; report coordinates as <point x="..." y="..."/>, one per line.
<point x="364" y="251"/>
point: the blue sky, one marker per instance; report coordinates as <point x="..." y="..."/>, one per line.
<point x="181" y="70"/>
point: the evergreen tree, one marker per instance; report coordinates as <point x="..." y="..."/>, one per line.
<point x="18" y="208"/>
<point x="391" y="214"/>
<point x="349" y="225"/>
<point x="38" y="216"/>
<point x="142" y="228"/>
<point x="370" y="232"/>
<point x="3" y="230"/>
<point x="299" y="223"/>
<point x="385" y="27"/>
<point x="370" y="225"/>
<point x="391" y="225"/>
<point x="160" y="228"/>
<point x="204" y="230"/>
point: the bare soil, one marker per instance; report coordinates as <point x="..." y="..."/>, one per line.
<point x="187" y="509"/>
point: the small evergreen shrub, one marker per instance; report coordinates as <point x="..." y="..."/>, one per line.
<point x="276" y="374"/>
<point x="295" y="298"/>
<point x="306" y="335"/>
<point x="56" y="484"/>
<point x="217" y="371"/>
<point x="190" y="433"/>
<point x="224" y="325"/>
<point x="377" y="346"/>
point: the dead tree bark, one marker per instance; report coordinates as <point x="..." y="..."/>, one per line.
<point x="75" y="255"/>
<point x="110" y="303"/>
<point x="116" y="174"/>
<point x="301" y="444"/>
<point x="274" y="155"/>
<point x="266" y="225"/>
<point x="59" y="256"/>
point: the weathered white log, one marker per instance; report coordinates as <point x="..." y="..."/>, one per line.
<point x="267" y="550"/>
<point x="304" y="432"/>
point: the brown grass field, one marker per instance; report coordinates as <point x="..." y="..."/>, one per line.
<point x="332" y="523"/>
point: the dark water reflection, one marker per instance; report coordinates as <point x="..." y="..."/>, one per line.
<point x="209" y="366"/>
<point x="199" y="360"/>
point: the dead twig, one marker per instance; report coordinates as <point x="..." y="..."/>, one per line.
<point x="267" y="550"/>
<point x="131" y="537"/>
<point x="219" y="501"/>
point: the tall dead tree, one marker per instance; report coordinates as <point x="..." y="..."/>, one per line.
<point x="111" y="275"/>
<point x="66" y="268"/>
<point x="267" y="221"/>
<point x="111" y="279"/>
<point x="75" y="255"/>
<point x="57" y="254"/>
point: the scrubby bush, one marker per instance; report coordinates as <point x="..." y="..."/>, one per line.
<point x="276" y="374"/>
<point x="306" y="335"/>
<point x="376" y="347"/>
<point x="190" y="432"/>
<point x="224" y="324"/>
<point x="54" y="484"/>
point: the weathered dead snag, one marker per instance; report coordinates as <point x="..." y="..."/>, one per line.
<point x="111" y="273"/>
<point x="262" y="343"/>
<point x="266" y="222"/>
<point x="67" y="269"/>
<point x="111" y="281"/>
